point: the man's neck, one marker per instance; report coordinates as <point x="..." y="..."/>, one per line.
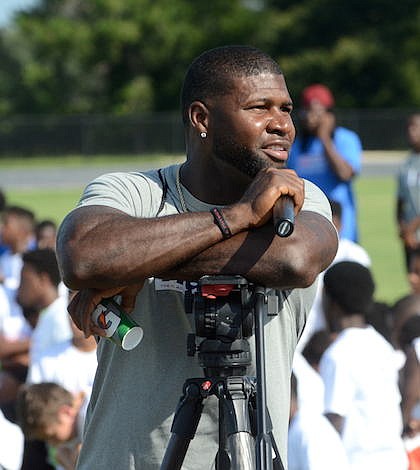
<point x="219" y="184"/>
<point x="49" y="297"/>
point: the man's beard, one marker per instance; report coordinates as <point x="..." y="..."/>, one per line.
<point x="240" y="157"/>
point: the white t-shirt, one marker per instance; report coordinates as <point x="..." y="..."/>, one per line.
<point x="310" y="385"/>
<point x="416" y="344"/>
<point x="416" y="410"/>
<point x="360" y="375"/>
<point x="314" y="444"/>
<point x="67" y="366"/>
<point x="11" y="444"/>
<point x="4" y="310"/>
<point x="13" y="324"/>
<point x="53" y="327"/>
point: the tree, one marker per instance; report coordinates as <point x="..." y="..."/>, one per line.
<point x="113" y="56"/>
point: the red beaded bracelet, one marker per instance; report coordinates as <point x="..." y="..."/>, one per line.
<point x="220" y="221"/>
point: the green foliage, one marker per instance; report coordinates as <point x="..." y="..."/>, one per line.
<point x="94" y="56"/>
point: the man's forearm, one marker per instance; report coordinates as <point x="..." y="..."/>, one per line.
<point x="9" y="348"/>
<point x="93" y="254"/>
<point x="339" y="165"/>
<point x="266" y="259"/>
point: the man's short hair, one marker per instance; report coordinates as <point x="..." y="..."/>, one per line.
<point x="26" y="216"/>
<point x="46" y="223"/>
<point x="44" y="261"/>
<point x="351" y="286"/>
<point x="211" y="73"/>
<point x="38" y="405"/>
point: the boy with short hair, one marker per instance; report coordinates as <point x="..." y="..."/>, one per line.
<point x="360" y="373"/>
<point x="48" y="412"/>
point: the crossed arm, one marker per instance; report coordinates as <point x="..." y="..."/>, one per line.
<point x="102" y="248"/>
<point x="107" y="252"/>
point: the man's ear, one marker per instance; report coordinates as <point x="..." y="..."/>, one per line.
<point x="67" y="410"/>
<point x="44" y="278"/>
<point x="198" y="114"/>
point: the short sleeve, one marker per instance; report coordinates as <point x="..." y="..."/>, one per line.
<point x="136" y="194"/>
<point x="316" y="201"/>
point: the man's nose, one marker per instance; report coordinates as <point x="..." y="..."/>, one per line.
<point x="280" y="122"/>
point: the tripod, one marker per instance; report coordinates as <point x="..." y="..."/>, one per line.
<point x="226" y="309"/>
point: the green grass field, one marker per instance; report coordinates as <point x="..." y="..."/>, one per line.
<point x="378" y="235"/>
<point x="376" y="202"/>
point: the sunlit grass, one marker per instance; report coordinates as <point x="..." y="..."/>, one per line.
<point x="378" y="234"/>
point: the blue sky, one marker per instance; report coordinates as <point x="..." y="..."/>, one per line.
<point x="8" y="7"/>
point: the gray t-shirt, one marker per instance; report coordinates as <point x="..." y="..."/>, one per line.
<point x="136" y="393"/>
<point x="409" y="187"/>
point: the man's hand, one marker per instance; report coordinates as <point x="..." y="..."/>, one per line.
<point x="255" y="207"/>
<point x="327" y="123"/>
<point x="85" y="301"/>
<point x="408" y="233"/>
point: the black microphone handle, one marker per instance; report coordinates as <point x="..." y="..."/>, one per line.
<point x="284" y="216"/>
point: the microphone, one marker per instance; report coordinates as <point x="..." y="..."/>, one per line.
<point x="284" y="216"/>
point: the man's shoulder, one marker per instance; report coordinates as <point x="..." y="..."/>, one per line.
<point x="137" y="193"/>
<point x="339" y="349"/>
<point x="346" y="132"/>
<point x="412" y="160"/>
<point x="316" y="200"/>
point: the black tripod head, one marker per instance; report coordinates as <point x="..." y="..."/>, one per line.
<point x="222" y="309"/>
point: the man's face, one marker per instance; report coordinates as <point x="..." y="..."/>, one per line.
<point x="47" y="238"/>
<point x="414" y="132"/>
<point x="251" y="127"/>
<point x="312" y="115"/>
<point x="30" y="288"/>
<point x="11" y="229"/>
<point x="63" y="429"/>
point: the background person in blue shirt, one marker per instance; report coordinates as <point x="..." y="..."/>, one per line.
<point x="326" y="154"/>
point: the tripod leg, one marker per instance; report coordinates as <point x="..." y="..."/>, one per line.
<point x="236" y="443"/>
<point x="184" y="426"/>
<point x="265" y="444"/>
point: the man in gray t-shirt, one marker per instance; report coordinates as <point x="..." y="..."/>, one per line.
<point x="408" y="191"/>
<point x="142" y="235"/>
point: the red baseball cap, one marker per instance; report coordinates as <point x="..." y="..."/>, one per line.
<point x="317" y="92"/>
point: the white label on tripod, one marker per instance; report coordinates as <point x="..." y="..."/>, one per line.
<point x="173" y="285"/>
<point x="272" y="305"/>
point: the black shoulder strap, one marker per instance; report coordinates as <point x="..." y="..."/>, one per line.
<point x="164" y="191"/>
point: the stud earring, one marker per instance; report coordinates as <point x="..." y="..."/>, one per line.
<point x="203" y="135"/>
